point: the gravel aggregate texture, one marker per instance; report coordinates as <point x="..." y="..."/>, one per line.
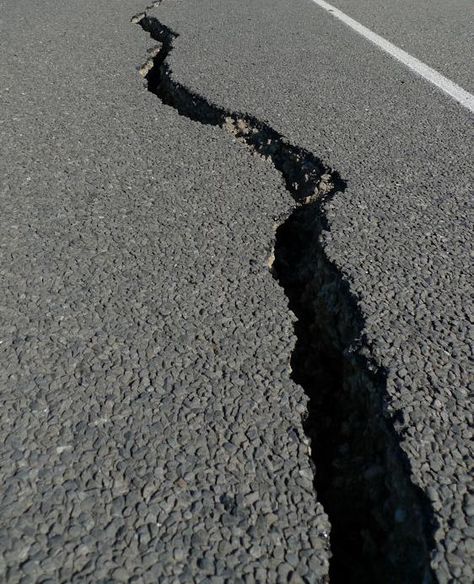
<point x="151" y="426"/>
<point x="150" y="429"/>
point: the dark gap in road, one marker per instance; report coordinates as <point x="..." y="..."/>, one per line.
<point x="381" y="524"/>
<point x="303" y="173"/>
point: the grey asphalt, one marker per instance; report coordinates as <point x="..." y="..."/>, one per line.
<point x="441" y="34"/>
<point x="150" y="427"/>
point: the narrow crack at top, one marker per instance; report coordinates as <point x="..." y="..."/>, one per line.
<point x="306" y="177"/>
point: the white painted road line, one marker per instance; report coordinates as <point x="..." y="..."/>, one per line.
<point x="452" y="89"/>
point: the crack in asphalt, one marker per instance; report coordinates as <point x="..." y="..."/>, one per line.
<point x="381" y="523"/>
<point x="305" y="176"/>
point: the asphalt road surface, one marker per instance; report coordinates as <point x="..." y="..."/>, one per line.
<point x="172" y="410"/>
<point x="438" y="33"/>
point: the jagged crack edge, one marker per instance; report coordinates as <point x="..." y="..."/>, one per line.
<point x="305" y="176"/>
<point x="308" y="180"/>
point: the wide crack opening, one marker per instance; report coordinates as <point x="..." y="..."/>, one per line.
<point x="381" y="524"/>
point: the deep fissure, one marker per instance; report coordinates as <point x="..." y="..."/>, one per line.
<point x="381" y="523"/>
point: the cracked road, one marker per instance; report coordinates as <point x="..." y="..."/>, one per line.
<point x="174" y="411"/>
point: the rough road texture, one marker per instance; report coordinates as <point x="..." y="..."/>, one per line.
<point x="150" y="428"/>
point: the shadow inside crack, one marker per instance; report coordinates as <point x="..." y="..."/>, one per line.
<point x="381" y="524"/>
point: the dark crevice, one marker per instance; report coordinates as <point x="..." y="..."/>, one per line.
<point x="305" y="175"/>
<point x="381" y="523"/>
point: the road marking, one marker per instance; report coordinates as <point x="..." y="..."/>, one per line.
<point x="452" y="89"/>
